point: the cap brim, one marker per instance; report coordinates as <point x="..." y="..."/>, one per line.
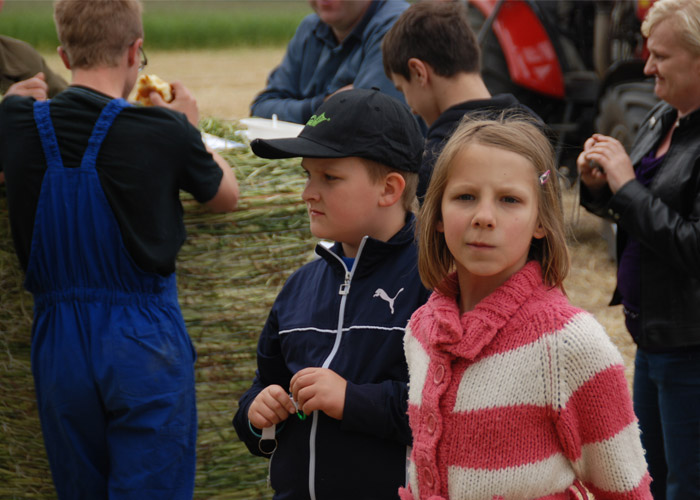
<point x="293" y="147"/>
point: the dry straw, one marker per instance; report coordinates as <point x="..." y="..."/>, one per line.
<point x="229" y="272"/>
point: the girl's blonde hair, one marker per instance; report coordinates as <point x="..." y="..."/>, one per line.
<point x="512" y="132"/>
<point x="685" y="14"/>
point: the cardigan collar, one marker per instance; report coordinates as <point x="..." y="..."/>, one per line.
<point x="465" y="336"/>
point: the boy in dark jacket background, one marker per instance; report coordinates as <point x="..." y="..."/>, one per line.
<point x="433" y="57"/>
<point x="332" y="346"/>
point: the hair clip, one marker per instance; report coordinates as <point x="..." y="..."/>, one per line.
<point x="544" y="178"/>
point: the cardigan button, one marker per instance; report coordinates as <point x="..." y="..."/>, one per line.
<point x="439" y="374"/>
<point x="431" y="424"/>
<point x="428" y="476"/>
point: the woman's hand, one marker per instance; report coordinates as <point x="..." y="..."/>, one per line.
<point x="604" y="160"/>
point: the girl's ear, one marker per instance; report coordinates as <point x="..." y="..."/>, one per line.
<point x="539" y="231"/>
<point x="394" y="184"/>
<point x="440" y="227"/>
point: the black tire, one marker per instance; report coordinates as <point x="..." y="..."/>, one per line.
<point x="622" y="109"/>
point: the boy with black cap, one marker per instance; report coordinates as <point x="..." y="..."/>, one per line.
<point x="332" y="346"/>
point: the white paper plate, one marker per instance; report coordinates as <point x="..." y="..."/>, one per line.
<point x="265" y="128"/>
<point x="219" y="143"/>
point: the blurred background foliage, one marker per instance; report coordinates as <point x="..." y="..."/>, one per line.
<point x="175" y="24"/>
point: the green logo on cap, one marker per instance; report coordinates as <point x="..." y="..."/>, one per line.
<point x="315" y="120"/>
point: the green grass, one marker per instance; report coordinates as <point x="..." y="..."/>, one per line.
<point x="175" y="24"/>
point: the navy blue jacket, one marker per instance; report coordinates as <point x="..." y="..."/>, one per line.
<point x="316" y="65"/>
<point x="353" y="322"/>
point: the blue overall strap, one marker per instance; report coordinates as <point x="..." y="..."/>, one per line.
<point x="99" y="132"/>
<point x="47" y="134"/>
<point x="42" y="117"/>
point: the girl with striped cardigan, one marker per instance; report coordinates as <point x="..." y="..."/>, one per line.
<point x="514" y="393"/>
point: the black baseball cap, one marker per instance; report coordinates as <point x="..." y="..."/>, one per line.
<point x="359" y="122"/>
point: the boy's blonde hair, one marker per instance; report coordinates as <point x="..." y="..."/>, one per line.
<point x="96" y="32"/>
<point x="378" y="171"/>
<point x="685" y="14"/>
<point x="512" y="132"/>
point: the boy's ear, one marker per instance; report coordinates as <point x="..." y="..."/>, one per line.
<point x="394" y="184"/>
<point x="418" y="69"/>
<point x="64" y="57"/>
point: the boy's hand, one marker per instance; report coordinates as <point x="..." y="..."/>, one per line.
<point x="183" y="101"/>
<point x="35" y="87"/>
<point x="270" y="407"/>
<point x="319" y="389"/>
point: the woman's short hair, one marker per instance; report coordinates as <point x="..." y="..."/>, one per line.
<point x="517" y="133"/>
<point x="685" y="15"/>
<point x="96" y="32"/>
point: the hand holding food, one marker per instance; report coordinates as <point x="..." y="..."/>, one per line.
<point x="152" y="91"/>
<point x="151" y="83"/>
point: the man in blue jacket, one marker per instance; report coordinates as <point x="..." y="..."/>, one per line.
<point x="332" y="346"/>
<point x="336" y="48"/>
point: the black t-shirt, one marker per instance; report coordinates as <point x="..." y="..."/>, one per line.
<point x="148" y="156"/>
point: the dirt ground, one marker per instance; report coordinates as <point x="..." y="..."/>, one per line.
<point x="224" y="83"/>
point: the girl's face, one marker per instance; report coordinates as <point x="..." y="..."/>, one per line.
<point x="489" y="214"/>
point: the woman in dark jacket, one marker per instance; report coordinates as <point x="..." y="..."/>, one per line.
<point x="654" y="197"/>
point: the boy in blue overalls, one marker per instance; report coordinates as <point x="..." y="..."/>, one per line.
<point x="93" y="191"/>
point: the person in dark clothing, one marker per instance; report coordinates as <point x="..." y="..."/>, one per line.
<point x="432" y="56"/>
<point x="20" y="62"/>
<point x="653" y="196"/>
<point x="93" y="193"/>
<point x="332" y="346"/>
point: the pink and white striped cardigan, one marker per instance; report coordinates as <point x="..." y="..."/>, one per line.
<point x="520" y="398"/>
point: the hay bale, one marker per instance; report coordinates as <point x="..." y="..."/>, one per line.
<point x="229" y="272"/>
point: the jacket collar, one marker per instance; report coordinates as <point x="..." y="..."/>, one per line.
<point x="451" y="116"/>
<point x="372" y="253"/>
<point x="466" y="335"/>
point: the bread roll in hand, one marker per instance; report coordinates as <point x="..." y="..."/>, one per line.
<point x="150" y="83"/>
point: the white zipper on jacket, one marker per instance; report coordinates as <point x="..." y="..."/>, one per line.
<point x="343" y="291"/>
